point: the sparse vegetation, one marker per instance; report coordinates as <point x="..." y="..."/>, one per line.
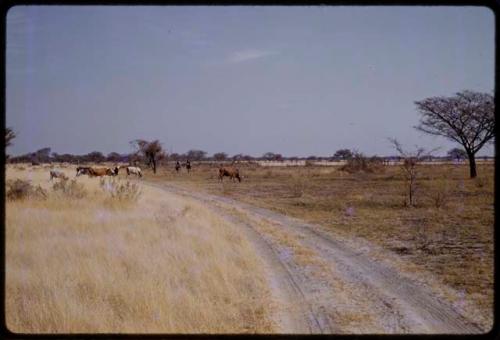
<point x="452" y="223"/>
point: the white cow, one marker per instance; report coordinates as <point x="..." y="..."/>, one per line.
<point x="57" y="174"/>
<point x="135" y="170"/>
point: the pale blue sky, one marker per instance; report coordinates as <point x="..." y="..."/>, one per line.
<point x="295" y="80"/>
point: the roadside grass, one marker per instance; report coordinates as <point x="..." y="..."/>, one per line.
<point x="449" y="233"/>
<point x="83" y="261"/>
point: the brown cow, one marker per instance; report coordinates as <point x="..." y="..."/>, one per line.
<point x="229" y="171"/>
<point x="102" y="172"/>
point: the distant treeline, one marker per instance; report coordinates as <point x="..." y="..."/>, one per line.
<point x="46" y="156"/>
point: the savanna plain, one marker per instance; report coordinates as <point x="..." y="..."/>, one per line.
<point x="122" y="255"/>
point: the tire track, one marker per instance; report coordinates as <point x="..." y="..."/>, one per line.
<point x="395" y="303"/>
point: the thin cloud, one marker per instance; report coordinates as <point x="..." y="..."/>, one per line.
<point x="246" y="55"/>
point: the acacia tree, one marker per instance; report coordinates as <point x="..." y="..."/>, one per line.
<point x="151" y="151"/>
<point x="467" y="118"/>
<point x="196" y="155"/>
<point x="343" y="153"/>
<point x="9" y="136"/>
<point x="457" y="153"/>
<point x="220" y="156"/>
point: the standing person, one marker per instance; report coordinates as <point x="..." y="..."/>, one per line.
<point x="188" y="165"/>
<point x="177" y="166"/>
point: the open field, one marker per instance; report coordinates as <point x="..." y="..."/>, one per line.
<point x="189" y="254"/>
<point x="449" y="234"/>
<point x="79" y="260"/>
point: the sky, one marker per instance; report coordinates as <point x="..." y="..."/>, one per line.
<point x="298" y="81"/>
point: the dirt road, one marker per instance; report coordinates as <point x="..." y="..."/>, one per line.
<point x="325" y="285"/>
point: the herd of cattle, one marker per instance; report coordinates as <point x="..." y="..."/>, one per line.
<point x="229" y="171"/>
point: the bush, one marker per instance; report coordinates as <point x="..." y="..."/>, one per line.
<point x="358" y="162"/>
<point x="440" y="193"/>
<point x="481" y="182"/>
<point x="121" y="191"/>
<point x="21" y="189"/>
<point x="70" y="188"/>
<point x="297" y="187"/>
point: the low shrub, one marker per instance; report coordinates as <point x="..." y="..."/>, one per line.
<point x="297" y="187"/>
<point x="440" y="193"/>
<point x="359" y="162"/>
<point x="69" y="188"/>
<point x="21" y="189"/>
<point x="121" y="191"/>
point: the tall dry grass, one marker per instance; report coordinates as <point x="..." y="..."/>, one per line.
<point x="159" y="264"/>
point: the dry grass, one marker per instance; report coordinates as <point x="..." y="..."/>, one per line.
<point x="449" y="233"/>
<point x="160" y="265"/>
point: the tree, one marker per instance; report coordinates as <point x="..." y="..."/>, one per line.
<point x="42" y="155"/>
<point x="237" y="157"/>
<point x="467" y="118"/>
<point x="271" y="156"/>
<point x="95" y="156"/>
<point x="113" y="157"/>
<point x="175" y="156"/>
<point x="196" y="155"/>
<point x="343" y="154"/>
<point x="151" y="151"/>
<point x="9" y="136"/>
<point x="457" y="153"/>
<point x="409" y="168"/>
<point x="220" y="156"/>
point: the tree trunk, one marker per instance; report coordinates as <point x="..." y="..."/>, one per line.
<point x="153" y="161"/>
<point x="472" y="164"/>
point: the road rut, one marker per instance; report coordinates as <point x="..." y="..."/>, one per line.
<point x="325" y="286"/>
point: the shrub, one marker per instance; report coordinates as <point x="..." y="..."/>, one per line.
<point x="440" y="194"/>
<point x="121" y="191"/>
<point x="21" y="189"/>
<point x="297" y="187"/>
<point x="481" y="182"/>
<point x="358" y="162"/>
<point x="70" y="188"/>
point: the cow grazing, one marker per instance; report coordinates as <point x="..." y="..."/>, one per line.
<point x="83" y="170"/>
<point x="99" y="172"/>
<point x="229" y="171"/>
<point x="57" y="174"/>
<point x="134" y="170"/>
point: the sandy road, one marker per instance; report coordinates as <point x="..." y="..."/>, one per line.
<point x="323" y="285"/>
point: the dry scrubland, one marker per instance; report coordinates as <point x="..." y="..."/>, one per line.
<point x="80" y="260"/>
<point x="448" y="234"/>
